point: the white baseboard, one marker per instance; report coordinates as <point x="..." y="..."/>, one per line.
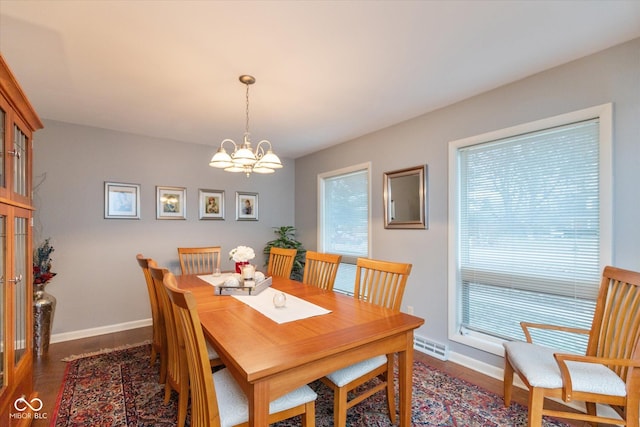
<point x="86" y="333"/>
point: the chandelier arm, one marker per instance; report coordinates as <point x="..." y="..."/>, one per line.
<point x="235" y="146"/>
<point x="260" y="150"/>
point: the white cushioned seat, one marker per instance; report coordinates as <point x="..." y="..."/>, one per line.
<point x="344" y="376"/>
<point x="537" y="364"/>
<point x="234" y="406"/>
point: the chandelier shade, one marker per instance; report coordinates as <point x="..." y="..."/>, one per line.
<point x="244" y="158"/>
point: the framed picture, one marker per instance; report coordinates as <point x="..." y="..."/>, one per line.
<point x="246" y="206"/>
<point x="121" y="201"/>
<point x="211" y="204"/>
<point x="171" y="203"/>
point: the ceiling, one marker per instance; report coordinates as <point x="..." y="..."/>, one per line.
<point x="326" y="71"/>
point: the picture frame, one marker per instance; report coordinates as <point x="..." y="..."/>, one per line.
<point x="211" y="204"/>
<point x="405" y="198"/>
<point x="121" y="200"/>
<point x="246" y="206"/>
<point x="171" y="202"/>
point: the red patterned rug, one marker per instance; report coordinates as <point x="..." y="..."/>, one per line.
<point x="120" y="388"/>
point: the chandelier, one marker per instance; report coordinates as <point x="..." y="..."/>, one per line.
<point x="244" y="158"/>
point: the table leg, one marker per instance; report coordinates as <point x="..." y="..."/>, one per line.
<point x="259" y="404"/>
<point x="405" y="381"/>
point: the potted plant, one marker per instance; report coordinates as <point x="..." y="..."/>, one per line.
<point x="286" y="239"/>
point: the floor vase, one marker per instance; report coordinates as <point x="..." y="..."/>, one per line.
<point x="44" y="307"/>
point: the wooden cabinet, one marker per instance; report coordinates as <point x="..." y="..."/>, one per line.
<point x="18" y="122"/>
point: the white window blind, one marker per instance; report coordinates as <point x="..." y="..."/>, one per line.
<point x="344" y="219"/>
<point x="529" y="233"/>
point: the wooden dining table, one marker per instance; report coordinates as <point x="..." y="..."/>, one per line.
<point x="270" y="359"/>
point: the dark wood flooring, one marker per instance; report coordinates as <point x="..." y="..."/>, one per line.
<point x="49" y="369"/>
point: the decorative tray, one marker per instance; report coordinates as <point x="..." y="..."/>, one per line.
<point x="243" y="290"/>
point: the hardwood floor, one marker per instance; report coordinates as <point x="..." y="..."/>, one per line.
<point x="49" y="369"/>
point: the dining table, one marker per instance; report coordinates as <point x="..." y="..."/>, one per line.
<point x="269" y="358"/>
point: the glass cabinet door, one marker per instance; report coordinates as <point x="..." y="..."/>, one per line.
<point x="20" y="295"/>
<point x="3" y="257"/>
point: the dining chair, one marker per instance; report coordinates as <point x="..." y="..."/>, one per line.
<point x="607" y="374"/>
<point x="320" y="269"/>
<point x="177" y="375"/>
<point x="157" y="340"/>
<point x="203" y="260"/>
<point x="381" y="283"/>
<point x="281" y="262"/>
<point x="217" y="399"/>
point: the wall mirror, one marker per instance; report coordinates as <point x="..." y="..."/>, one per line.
<point x="405" y="198"/>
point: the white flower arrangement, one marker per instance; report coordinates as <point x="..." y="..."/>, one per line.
<point x="242" y="254"/>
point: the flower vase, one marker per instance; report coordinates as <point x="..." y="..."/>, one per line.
<point x="44" y="307"/>
<point x="239" y="266"/>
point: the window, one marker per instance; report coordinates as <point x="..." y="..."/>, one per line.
<point x="530" y="214"/>
<point x="344" y="219"/>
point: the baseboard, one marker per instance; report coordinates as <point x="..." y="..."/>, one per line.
<point x="86" y="333"/>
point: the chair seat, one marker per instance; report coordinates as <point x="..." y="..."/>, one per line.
<point x="233" y="404"/>
<point x="344" y="376"/>
<point x="538" y="366"/>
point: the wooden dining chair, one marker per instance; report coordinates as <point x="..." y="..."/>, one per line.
<point x="381" y="283"/>
<point x="199" y="260"/>
<point x="177" y="375"/>
<point x="320" y="269"/>
<point x="607" y="374"/>
<point x="281" y="262"/>
<point x="228" y="407"/>
<point x="157" y="337"/>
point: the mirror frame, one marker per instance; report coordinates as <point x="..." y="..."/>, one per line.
<point x="421" y="222"/>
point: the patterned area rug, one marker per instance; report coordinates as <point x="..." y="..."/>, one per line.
<point x="120" y="388"/>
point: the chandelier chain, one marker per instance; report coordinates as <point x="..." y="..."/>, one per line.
<point x="247" y="112"/>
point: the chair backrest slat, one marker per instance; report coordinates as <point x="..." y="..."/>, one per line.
<point x="381" y="282"/>
<point x="202" y="260"/>
<point x="615" y="331"/>
<point x="281" y="262"/>
<point x="320" y="269"/>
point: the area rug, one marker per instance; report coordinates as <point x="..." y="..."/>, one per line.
<point x="120" y="388"/>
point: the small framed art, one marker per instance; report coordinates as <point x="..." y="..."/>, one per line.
<point x="246" y="206"/>
<point x="171" y="203"/>
<point x="121" y="201"/>
<point x="211" y="204"/>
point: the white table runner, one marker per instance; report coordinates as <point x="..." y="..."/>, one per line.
<point x="295" y="308"/>
<point x="215" y="280"/>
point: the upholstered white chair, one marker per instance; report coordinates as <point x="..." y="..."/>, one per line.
<point x="177" y="374"/>
<point x="218" y="400"/>
<point x="609" y="372"/>
<point x="381" y="283"/>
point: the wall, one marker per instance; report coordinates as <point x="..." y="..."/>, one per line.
<point x="99" y="286"/>
<point x="609" y="76"/>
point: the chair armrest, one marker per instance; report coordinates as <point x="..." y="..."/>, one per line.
<point x="526" y="326"/>
<point x="562" y="358"/>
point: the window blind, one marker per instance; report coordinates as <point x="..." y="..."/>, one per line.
<point x="344" y="223"/>
<point x="529" y="232"/>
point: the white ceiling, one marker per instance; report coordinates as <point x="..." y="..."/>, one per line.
<point x="326" y="71"/>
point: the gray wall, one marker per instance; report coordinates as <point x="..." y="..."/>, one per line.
<point x="99" y="286"/>
<point x="609" y="76"/>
